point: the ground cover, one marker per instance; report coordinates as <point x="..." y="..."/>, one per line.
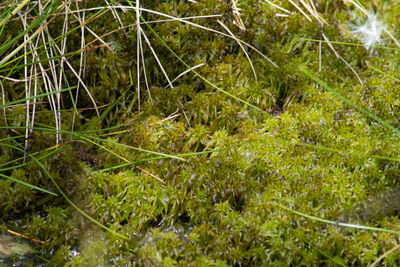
<point x="278" y="147"/>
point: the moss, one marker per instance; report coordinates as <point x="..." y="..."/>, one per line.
<point x="304" y="148"/>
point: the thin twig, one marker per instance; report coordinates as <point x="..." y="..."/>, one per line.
<point x="342" y="59"/>
<point x="241" y="46"/>
<point x="161" y="121"/>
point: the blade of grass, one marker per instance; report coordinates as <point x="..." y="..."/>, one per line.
<point x="384" y="255"/>
<point x="157" y="158"/>
<point x="21" y="158"/>
<point x="27" y="184"/>
<point x="106" y="111"/>
<point x="34" y="97"/>
<point x="73" y="204"/>
<point x="353" y="44"/>
<point x="82" y="135"/>
<point x="22" y="182"/>
<point x="350" y="225"/>
<point x="341" y="58"/>
<point x="127" y="146"/>
<point x="334" y="150"/>
<point x="65" y="196"/>
<point x="347" y="101"/>
<point x="383" y="73"/>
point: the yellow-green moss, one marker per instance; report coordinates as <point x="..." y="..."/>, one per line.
<point x="304" y="148"/>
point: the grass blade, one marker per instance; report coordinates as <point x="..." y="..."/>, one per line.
<point x="348" y="101"/>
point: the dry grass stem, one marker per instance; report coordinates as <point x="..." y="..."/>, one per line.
<point x="156" y="57"/>
<point x="384" y="255"/>
<point x="301" y="11"/>
<point x="186" y="71"/>
<point x="342" y="59"/>
<point x="236" y="14"/>
<point x="161" y="121"/>
<point x="278" y="7"/>
<point x="138" y="50"/>
<point x="241" y="46"/>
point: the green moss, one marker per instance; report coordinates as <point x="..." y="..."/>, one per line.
<point x="304" y="148"/>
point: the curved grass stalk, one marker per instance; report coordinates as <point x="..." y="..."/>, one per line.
<point x="34" y="97"/>
<point x="84" y="136"/>
<point x="104" y="148"/>
<point x="383" y="73"/>
<point x="384" y="255"/>
<point x="163" y="157"/>
<point x="241" y="46"/>
<point x="199" y="75"/>
<point x="126" y="146"/>
<point x="341" y="58"/>
<point x="185" y="20"/>
<point x="23" y="164"/>
<point x="353" y="44"/>
<point x="36" y="160"/>
<point x="156" y="57"/>
<point x="19" y="181"/>
<point x="349" y="225"/>
<point x="186" y="71"/>
<point x="334" y="150"/>
<point x="349" y="102"/>
<point x="73" y="204"/>
<point x="124" y="159"/>
<point x="28" y="184"/>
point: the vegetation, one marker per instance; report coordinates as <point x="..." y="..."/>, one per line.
<point x="262" y="133"/>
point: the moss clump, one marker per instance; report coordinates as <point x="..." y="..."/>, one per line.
<point x="302" y="147"/>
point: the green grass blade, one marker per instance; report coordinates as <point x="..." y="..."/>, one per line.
<point x="34" y="97"/>
<point x="22" y="182"/>
<point x="5" y="15"/>
<point x="347" y="101"/>
<point x="106" y="111"/>
<point x="353" y="44"/>
<point x="339" y="151"/>
<point x="22" y="158"/>
<point x="64" y="195"/>
<point x="157" y="158"/>
<point x="384" y="73"/>
<point x="38" y="21"/>
<point x="73" y="204"/>
<point x="131" y="147"/>
<point x="27" y="184"/>
<point x="83" y="136"/>
<point x="350" y="225"/>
